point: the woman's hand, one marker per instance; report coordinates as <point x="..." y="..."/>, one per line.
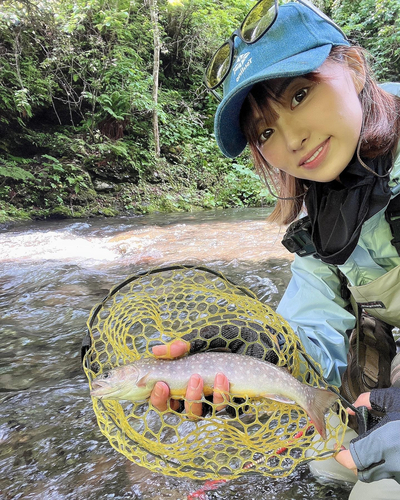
<point x="375" y="454"/>
<point x="194" y="392"/>
<point x="344" y="456"/>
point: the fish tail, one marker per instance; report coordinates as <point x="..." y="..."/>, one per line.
<point x="320" y="403"/>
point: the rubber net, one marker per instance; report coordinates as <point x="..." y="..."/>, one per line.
<point x="208" y="310"/>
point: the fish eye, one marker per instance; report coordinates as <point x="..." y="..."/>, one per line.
<point x="106" y="374"/>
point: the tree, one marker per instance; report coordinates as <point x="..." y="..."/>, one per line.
<point x="156" y="70"/>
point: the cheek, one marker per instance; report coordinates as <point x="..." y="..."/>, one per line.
<point x="350" y="114"/>
<point x="275" y="155"/>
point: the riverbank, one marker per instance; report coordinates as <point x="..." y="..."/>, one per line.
<point x="59" y="189"/>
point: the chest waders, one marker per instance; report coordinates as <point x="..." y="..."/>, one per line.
<point x="376" y="307"/>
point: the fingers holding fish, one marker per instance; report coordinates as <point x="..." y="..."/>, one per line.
<point x="175" y="349"/>
<point x="160" y="394"/>
<point x="194" y="393"/>
<point x="159" y="397"/>
<point x="221" y="391"/>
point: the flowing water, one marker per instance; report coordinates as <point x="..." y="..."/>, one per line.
<point x="51" y="274"/>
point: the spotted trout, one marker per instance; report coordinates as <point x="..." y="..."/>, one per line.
<point x="247" y="376"/>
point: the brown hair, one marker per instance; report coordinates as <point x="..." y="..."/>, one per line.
<point x="379" y="135"/>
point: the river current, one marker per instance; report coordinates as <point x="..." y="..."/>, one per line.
<point x="51" y="275"/>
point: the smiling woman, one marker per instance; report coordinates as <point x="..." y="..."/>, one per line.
<point x="316" y="122"/>
<point x="327" y="135"/>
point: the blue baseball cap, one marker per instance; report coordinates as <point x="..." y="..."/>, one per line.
<point x="296" y="44"/>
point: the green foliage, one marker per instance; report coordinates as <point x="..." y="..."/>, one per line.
<point x="12" y="170"/>
<point x="375" y="25"/>
<point x="76" y="102"/>
<point x="48" y="183"/>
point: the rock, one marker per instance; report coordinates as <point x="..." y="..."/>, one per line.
<point x="103" y="186"/>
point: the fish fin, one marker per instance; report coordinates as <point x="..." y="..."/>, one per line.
<point x="178" y="393"/>
<point x="279" y="398"/>
<point x="142" y="381"/>
<point x="320" y="404"/>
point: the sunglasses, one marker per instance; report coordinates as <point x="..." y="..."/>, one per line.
<point x="257" y="22"/>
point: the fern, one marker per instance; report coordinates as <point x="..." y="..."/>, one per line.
<point x="16" y="173"/>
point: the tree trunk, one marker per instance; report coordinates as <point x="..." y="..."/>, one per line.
<point x="156" y="71"/>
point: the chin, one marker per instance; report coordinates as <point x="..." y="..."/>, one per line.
<point x="327" y="177"/>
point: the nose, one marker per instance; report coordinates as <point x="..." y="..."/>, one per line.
<point x="295" y="134"/>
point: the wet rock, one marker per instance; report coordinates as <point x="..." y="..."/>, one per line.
<point x="103" y="186"/>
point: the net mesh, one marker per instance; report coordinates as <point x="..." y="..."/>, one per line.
<point x="208" y="310"/>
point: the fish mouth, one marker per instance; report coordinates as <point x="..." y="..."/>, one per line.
<point x="101" y="389"/>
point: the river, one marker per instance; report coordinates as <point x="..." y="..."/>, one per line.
<point x="51" y="275"/>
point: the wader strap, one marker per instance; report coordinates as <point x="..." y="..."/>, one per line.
<point x="370" y="366"/>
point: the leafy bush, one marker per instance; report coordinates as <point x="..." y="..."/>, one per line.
<point x="76" y="104"/>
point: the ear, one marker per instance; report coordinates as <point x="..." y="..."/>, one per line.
<point x="356" y="64"/>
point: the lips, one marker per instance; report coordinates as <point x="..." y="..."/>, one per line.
<point x="316" y="156"/>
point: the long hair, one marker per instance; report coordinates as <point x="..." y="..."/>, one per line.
<point x="379" y="133"/>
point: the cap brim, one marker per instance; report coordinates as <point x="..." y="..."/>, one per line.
<point x="228" y="133"/>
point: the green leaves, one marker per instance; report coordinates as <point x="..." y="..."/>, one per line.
<point x="17" y="173"/>
<point x="76" y="100"/>
<point x="375" y="25"/>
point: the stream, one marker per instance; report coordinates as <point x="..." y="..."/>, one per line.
<point x="52" y="273"/>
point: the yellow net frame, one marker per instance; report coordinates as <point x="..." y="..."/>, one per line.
<point x="208" y="310"/>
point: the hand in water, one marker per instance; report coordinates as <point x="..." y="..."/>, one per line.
<point x="160" y="393"/>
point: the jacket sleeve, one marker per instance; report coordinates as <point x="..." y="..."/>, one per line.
<point x="376" y="453"/>
<point x="314" y="308"/>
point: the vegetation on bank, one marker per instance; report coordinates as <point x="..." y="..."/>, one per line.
<point x="79" y="100"/>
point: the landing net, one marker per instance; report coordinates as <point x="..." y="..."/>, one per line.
<point x="208" y="310"/>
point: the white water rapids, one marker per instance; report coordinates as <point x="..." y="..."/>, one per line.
<point x="51" y="274"/>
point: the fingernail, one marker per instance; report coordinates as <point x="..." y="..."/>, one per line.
<point x="158" y="391"/>
<point x="177" y="347"/>
<point x="219" y="379"/>
<point x="194" y="382"/>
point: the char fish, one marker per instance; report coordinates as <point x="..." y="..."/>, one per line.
<point x="247" y="376"/>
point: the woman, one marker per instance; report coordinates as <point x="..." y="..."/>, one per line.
<point x="326" y="136"/>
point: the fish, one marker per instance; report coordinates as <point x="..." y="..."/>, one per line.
<point x="248" y="376"/>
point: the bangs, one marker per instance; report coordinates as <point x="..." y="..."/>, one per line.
<point x="379" y="134"/>
<point x="258" y="105"/>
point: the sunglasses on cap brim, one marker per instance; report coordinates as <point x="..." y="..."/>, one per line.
<point x="257" y="22"/>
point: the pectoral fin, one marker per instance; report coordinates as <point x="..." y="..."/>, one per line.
<point x="142" y="381"/>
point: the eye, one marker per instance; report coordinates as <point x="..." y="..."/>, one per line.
<point x="265" y="135"/>
<point x="106" y="374"/>
<point x="299" y="96"/>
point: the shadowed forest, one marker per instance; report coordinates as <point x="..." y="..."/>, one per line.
<point x="103" y="110"/>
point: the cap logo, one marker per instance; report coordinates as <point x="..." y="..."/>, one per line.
<point x="241" y="65"/>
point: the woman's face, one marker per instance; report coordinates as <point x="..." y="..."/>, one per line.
<point x="315" y="126"/>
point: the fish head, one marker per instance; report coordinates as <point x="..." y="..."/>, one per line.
<point x="119" y="384"/>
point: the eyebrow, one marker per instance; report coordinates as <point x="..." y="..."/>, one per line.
<point x="280" y="90"/>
